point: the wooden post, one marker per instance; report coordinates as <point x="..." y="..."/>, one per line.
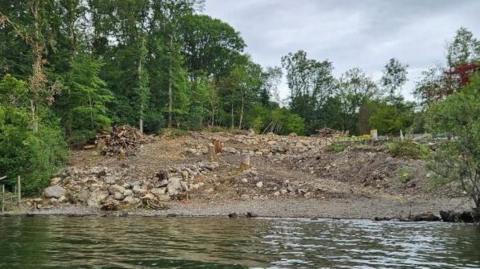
<point x="3" y="198"/>
<point x="19" y="189"/>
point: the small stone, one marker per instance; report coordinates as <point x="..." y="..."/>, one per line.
<point x="158" y="191"/>
<point x="130" y="200"/>
<point x="138" y="190"/>
<point x="259" y="184"/>
<point x="55" y="181"/>
<point x="128" y="193"/>
<point x="276" y="193"/>
<point x="62" y="199"/>
<point x="244" y="180"/>
<point x="110" y="179"/>
<point x="118" y="196"/>
<point x="233" y="215"/>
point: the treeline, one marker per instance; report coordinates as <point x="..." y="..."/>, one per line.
<point x="146" y="63"/>
<point x="72" y="68"/>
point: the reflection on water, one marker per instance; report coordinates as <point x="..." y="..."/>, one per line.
<point x="136" y="242"/>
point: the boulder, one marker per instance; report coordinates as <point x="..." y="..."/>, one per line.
<point x="54" y="192"/>
<point x="96" y="198"/>
<point x="428" y="216"/>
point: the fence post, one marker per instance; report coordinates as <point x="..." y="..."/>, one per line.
<point x="19" y="188"/>
<point x="3" y="198"/>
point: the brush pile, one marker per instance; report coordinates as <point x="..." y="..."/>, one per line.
<point x="123" y="140"/>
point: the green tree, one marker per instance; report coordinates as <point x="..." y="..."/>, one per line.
<point x="464" y="48"/>
<point x="458" y="159"/>
<point x="390" y="118"/>
<point x="311" y="83"/>
<point x="82" y="106"/>
<point x="394" y="77"/>
<point x="355" y="89"/>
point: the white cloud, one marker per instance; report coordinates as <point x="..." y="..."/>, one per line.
<point x="349" y="33"/>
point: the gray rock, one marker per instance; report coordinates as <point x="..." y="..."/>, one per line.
<point x="158" y="191"/>
<point x="128" y="193"/>
<point x="130" y="200"/>
<point x="139" y="190"/>
<point x="96" y="198"/>
<point x="116" y="189"/>
<point x="259" y="184"/>
<point x="54" y="192"/>
<point x="174" y="186"/>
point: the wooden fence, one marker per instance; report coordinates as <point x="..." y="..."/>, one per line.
<point x="17" y="193"/>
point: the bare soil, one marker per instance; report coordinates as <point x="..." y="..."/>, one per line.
<point x="290" y="176"/>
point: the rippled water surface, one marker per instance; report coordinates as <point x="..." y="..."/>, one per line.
<point x="140" y="242"/>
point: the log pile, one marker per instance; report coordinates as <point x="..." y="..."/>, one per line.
<point x="122" y="141"/>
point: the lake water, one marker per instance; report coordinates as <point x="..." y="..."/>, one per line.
<point x="141" y="242"/>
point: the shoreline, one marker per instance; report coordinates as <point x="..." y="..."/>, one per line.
<point x="362" y="208"/>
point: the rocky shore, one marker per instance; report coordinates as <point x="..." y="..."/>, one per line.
<point x="221" y="174"/>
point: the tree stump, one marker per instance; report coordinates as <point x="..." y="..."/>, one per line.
<point x="212" y="155"/>
<point x="245" y="162"/>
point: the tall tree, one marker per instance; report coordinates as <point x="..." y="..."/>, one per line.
<point x="464" y="48"/>
<point x="355" y="89"/>
<point x="311" y="83"/>
<point x="394" y="77"/>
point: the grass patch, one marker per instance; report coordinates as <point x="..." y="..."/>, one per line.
<point x="405" y="174"/>
<point x="336" y="147"/>
<point x="408" y="149"/>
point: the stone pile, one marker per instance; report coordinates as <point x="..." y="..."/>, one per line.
<point x="113" y="189"/>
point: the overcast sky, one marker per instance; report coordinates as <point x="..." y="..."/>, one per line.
<point x="350" y="33"/>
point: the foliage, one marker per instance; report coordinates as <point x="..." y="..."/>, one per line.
<point x="277" y="120"/>
<point x="82" y="103"/>
<point x="33" y="155"/>
<point x="408" y="149"/>
<point x="458" y="159"/>
<point x="464" y="48"/>
<point x="311" y="83"/>
<point x="391" y="118"/>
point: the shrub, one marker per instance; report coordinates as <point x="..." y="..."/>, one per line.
<point x="405" y="174"/>
<point x="35" y="156"/>
<point x="408" y="149"/>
